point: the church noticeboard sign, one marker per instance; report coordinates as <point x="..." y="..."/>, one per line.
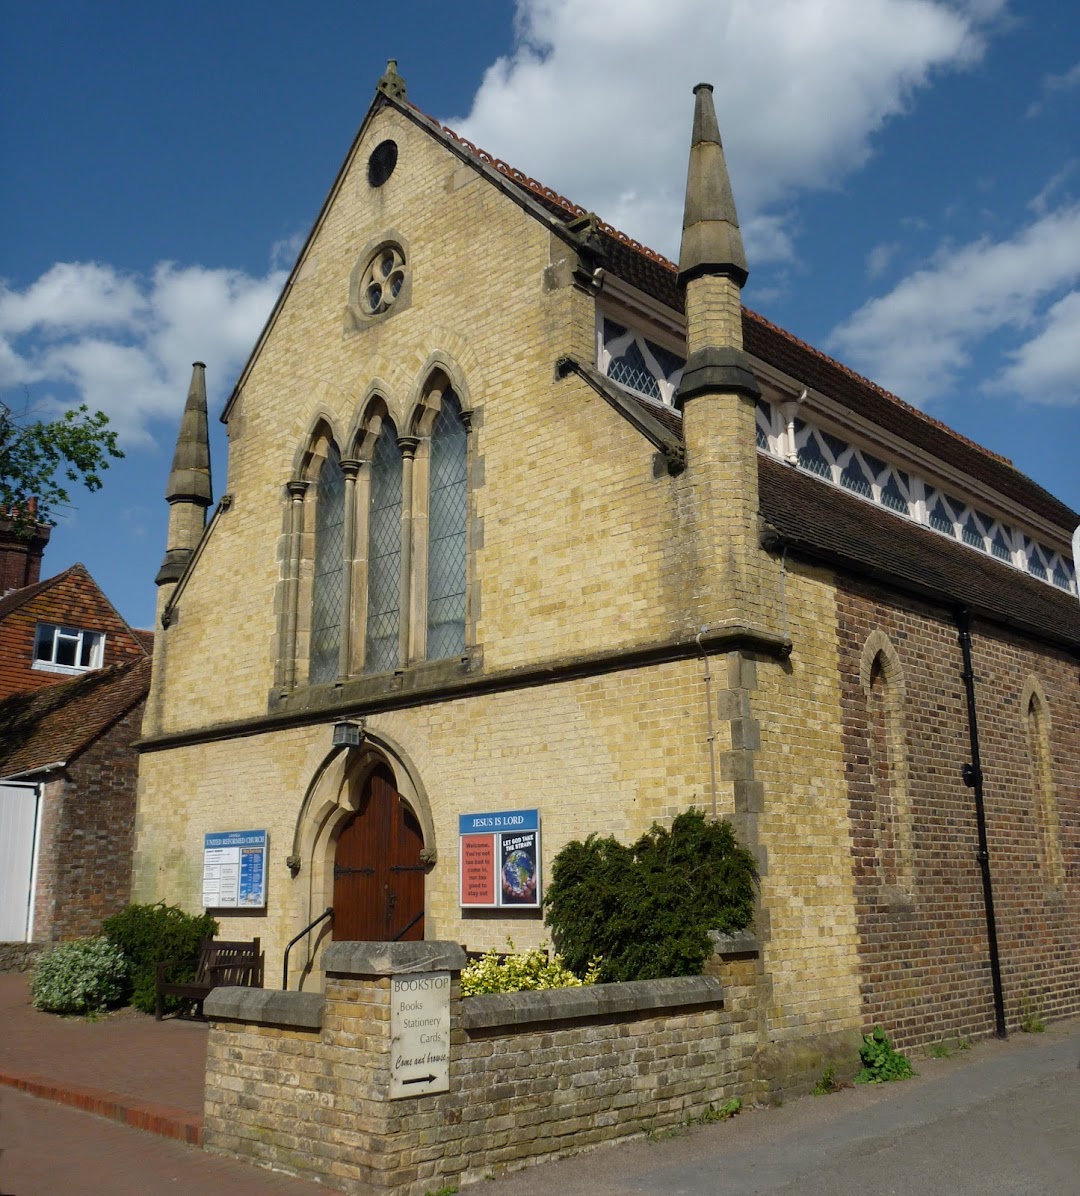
<point x="234" y="870"/>
<point x="500" y="859"/>
<point x="419" y="1034"/>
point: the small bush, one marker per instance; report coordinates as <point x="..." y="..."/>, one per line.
<point x="82" y="976"/>
<point x="648" y="909"/>
<point x="149" y="935"/>
<point x="881" y="1061"/>
<point x="523" y="971"/>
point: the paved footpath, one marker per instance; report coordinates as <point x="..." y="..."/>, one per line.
<point x="138" y="1071"/>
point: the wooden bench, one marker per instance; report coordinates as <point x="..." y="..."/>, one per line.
<point x="220" y="963"/>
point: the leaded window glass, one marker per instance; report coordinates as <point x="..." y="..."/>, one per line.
<point x="640" y="364"/>
<point x="1036" y="564"/>
<point x="630" y="370"/>
<point x="999" y="547"/>
<point x="328" y="582"/>
<point x="811" y="457"/>
<point x="854" y="477"/>
<point x="446" y="533"/>
<point x="384" y="555"/>
<point x="972" y="533"/>
<point x="1061" y="576"/>
<point x="892" y="496"/>
<point x="941" y="518"/>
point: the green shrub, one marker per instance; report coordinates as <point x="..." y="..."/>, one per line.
<point x="521" y="972"/>
<point x="647" y="909"/>
<point x="151" y="934"/>
<point x="881" y="1061"/>
<point x="82" y="976"/>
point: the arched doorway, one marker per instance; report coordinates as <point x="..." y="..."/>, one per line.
<point x="378" y="874"/>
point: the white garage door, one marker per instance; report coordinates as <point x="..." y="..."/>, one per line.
<point x="18" y="832"/>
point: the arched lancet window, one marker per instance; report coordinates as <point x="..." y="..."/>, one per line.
<point x="883" y="684"/>
<point x="1046" y="813"/>
<point x="384" y="554"/>
<point x="328" y="577"/>
<point x="447" y="509"/>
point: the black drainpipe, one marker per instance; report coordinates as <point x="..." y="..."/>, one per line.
<point x="973" y="778"/>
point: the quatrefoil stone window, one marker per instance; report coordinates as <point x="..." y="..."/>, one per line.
<point x="383" y="280"/>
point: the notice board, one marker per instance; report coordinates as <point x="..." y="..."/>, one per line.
<point x="500" y="860"/>
<point x="234" y="870"/>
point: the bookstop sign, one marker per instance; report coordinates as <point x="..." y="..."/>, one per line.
<point x="500" y="859"/>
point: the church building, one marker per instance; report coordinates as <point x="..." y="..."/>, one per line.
<point x="528" y="534"/>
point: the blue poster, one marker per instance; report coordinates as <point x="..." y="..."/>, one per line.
<point x="234" y="869"/>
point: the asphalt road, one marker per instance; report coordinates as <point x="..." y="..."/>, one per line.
<point x="999" y="1120"/>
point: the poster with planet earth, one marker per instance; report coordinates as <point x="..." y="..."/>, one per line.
<point x="518" y="871"/>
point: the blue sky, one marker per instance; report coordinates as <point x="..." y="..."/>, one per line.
<point x="907" y="174"/>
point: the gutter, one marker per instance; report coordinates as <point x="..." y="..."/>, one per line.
<point x="55" y="766"/>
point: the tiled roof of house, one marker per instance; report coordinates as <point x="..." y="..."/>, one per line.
<point x="19" y="598"/>
<point x="657" y="276"/>
<point x="822" y="522"/>
<point x="54" y="724"/>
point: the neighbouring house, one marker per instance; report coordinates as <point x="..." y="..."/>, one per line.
<point x="73" y="683"/>
<point x="524" y="522"/>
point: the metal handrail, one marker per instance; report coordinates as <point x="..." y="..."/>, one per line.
<point x="327" y="913"/>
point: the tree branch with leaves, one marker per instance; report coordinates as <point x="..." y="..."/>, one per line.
<point x="40" y="459"/>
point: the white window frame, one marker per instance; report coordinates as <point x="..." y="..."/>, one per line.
<point x="62" y="633"/>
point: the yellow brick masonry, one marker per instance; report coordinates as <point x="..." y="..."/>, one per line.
<point x="610" y="754"/>
<point x="810" y="942"/>
<point x="315" y="1102"/>
<point x="554" y="454"/>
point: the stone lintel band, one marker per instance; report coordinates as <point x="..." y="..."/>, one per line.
<point x="732" y="270"/>
<point x="452" y="681"/>
<point x="717" y="371"/>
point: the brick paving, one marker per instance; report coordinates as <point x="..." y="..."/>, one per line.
<point x="126" y="1067"/>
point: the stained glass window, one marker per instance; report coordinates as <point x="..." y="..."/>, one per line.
<point x="328" y="585"/>
<point x="446" y="534"/>
<point x="384" y="555"/>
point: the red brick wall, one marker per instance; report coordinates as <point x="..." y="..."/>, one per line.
<point x="76" y="601"/>
<point x="925" y="969"/>
<point x="88" y="826"/>
<point x="20" y="558"/>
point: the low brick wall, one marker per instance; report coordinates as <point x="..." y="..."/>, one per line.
<point x="19" y="957"/>
<point x="533" y="1076"/>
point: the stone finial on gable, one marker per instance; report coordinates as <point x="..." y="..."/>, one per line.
<point x="189" y="478"/>
<point x="711" y="241"/>
<point x="391" y="83"/>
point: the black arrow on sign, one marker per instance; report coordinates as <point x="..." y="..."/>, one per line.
<point x="419" y="1080"/>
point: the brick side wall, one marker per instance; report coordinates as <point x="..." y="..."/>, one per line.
<point x="925" y="972"/>
<point x="87" y="837"/>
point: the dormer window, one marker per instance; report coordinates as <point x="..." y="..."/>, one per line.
<point x="60" y="649"/>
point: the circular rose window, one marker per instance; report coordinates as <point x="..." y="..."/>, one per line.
<point x="383" y="280"/>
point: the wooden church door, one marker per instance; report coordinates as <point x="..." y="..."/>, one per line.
<point x="378" y="876"/>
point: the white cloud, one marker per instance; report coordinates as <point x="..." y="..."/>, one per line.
<point x="801" y="88"/>
<point x="878" y="259"/>
<point x="69" y="297"/>
<point x="1047" y="368"/>
<point x="917" y="338"/>
<point x="124" y="343"/>
<point x="1066" y="81"/>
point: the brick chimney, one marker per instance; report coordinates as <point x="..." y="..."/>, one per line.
<point x="21" y="550"/>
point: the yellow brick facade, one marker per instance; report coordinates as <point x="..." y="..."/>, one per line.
<point x="580" y="549"/>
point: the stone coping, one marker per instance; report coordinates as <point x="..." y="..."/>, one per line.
<point x="266" y="1007"/>
<point x="390" y="959"/>
<point x="594" y="1000"/>
<point x="738" y="942"/>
